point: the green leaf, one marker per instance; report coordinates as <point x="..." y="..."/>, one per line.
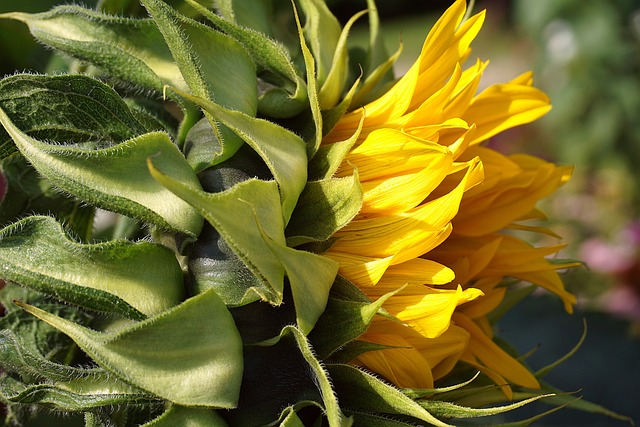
<point x="180" y="416"/>
<point x="230" y="213"/>
<point x="153" y="115"/>
<point x="190" y="354"/>
<point x="214" y="265"/>
<point x="70" y="108"/>
<point x="323" y="31"/>
<point x="26" y="192"/>
<point x="289" y="96"/>
<point x="324" y="207"/>
<point x="257" y="238"/>
<point x="116" y="178"/>
<point x="310" y="276"/>
<point x="346" y="317"/>
<point x="292" y="420"/>
<point x="280" y="374"/>
<point x="353" y="349"/>
<point x="363" y="393"/>
<point x="451" y="410"/>
<point x="256" y="15"/>
<point x="329" y="157"/>
<point x="332" y="88"/>
<point x="132" y="279"/>
<point x="77" y="395"/>
<point x="332" y="116"/>
<point x="28" y="363"/>
<point x="378" y="67"/>
<point x="542" y="372"/>
<point x="313" y="140"/>
<point x="282" y="150"/>
<point x="203" y="56"/>
<point x="131" y="50"/>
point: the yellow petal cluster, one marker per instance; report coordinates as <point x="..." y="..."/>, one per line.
<point x="436" y="205"/>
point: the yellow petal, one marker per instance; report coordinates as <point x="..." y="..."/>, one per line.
<point x="417" y="271"/>
<point x="405" y="367"/>
<point x="401" y="193"/>
<point x="485" y="305"/>
<point x="503" y="106"/>
<point x="493" y="357"/>
<point x="429" y="312"/>
<point x="360" y="270"/>
<point x="390" y="152"/>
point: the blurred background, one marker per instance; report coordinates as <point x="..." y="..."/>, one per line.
<point x="586" y="56"/>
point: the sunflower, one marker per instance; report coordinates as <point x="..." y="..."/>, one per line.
<point x="436" y="207"/>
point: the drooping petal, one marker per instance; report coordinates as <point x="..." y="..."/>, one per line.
<point x="490" y="355"/>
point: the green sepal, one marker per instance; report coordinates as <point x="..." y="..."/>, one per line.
<point x="376" y="83"/>
<point x="378" y="67"/>
<point x="260" y="321"/>
<point x="81" y="394"/>
<point x="323" y="30"/>
<point x="212" y="262"/>
<point x="64" y="108"/>
<point x="153" y="115"/>
<point x="361" y="392"/>
<point x="202" y="145"/>
<point x="416" y="393"/>
<point x="131" y="279"/>
<point x="451" y="410"/>
<point x="332" y="88"/>
<point x="313" y="135"/>
<point x="116" y="178"/>
<point x="130" y="50"/>
<point x="476" y="397"/>
<point x="292" y="420"/>
<point x="134" y="8"/>
<point x="34" y="349"/>
<point x="355" y="348"/>
<point x="512" y="297"/>
<point x="248" y="218"/>
<point x="324" y="207"/>
<point x="282" y="150"/>
<point x="180" y="416"/>
<point x="310" y="276"/>
<point x="214" y="265"/>
<point x="542" y="372"/>
<point x="347" y="316"/>
<point x="329" y="157"/>
<point x="22" y="355"/>
<point x="230" y="213"/>
<point x="203" y="55"/>
<point x="190" y="354"/>
<point x="26" y="192"/>
<point x="268" y="395"/>
<point x="562" y="399"/>
<point x="284" y="100"/>
<point x="332" y="116"/>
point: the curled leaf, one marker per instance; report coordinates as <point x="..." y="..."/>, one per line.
<point x="132" y="279"/>
<point x="190" y="354"/>
<point x="116" y="177"/>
